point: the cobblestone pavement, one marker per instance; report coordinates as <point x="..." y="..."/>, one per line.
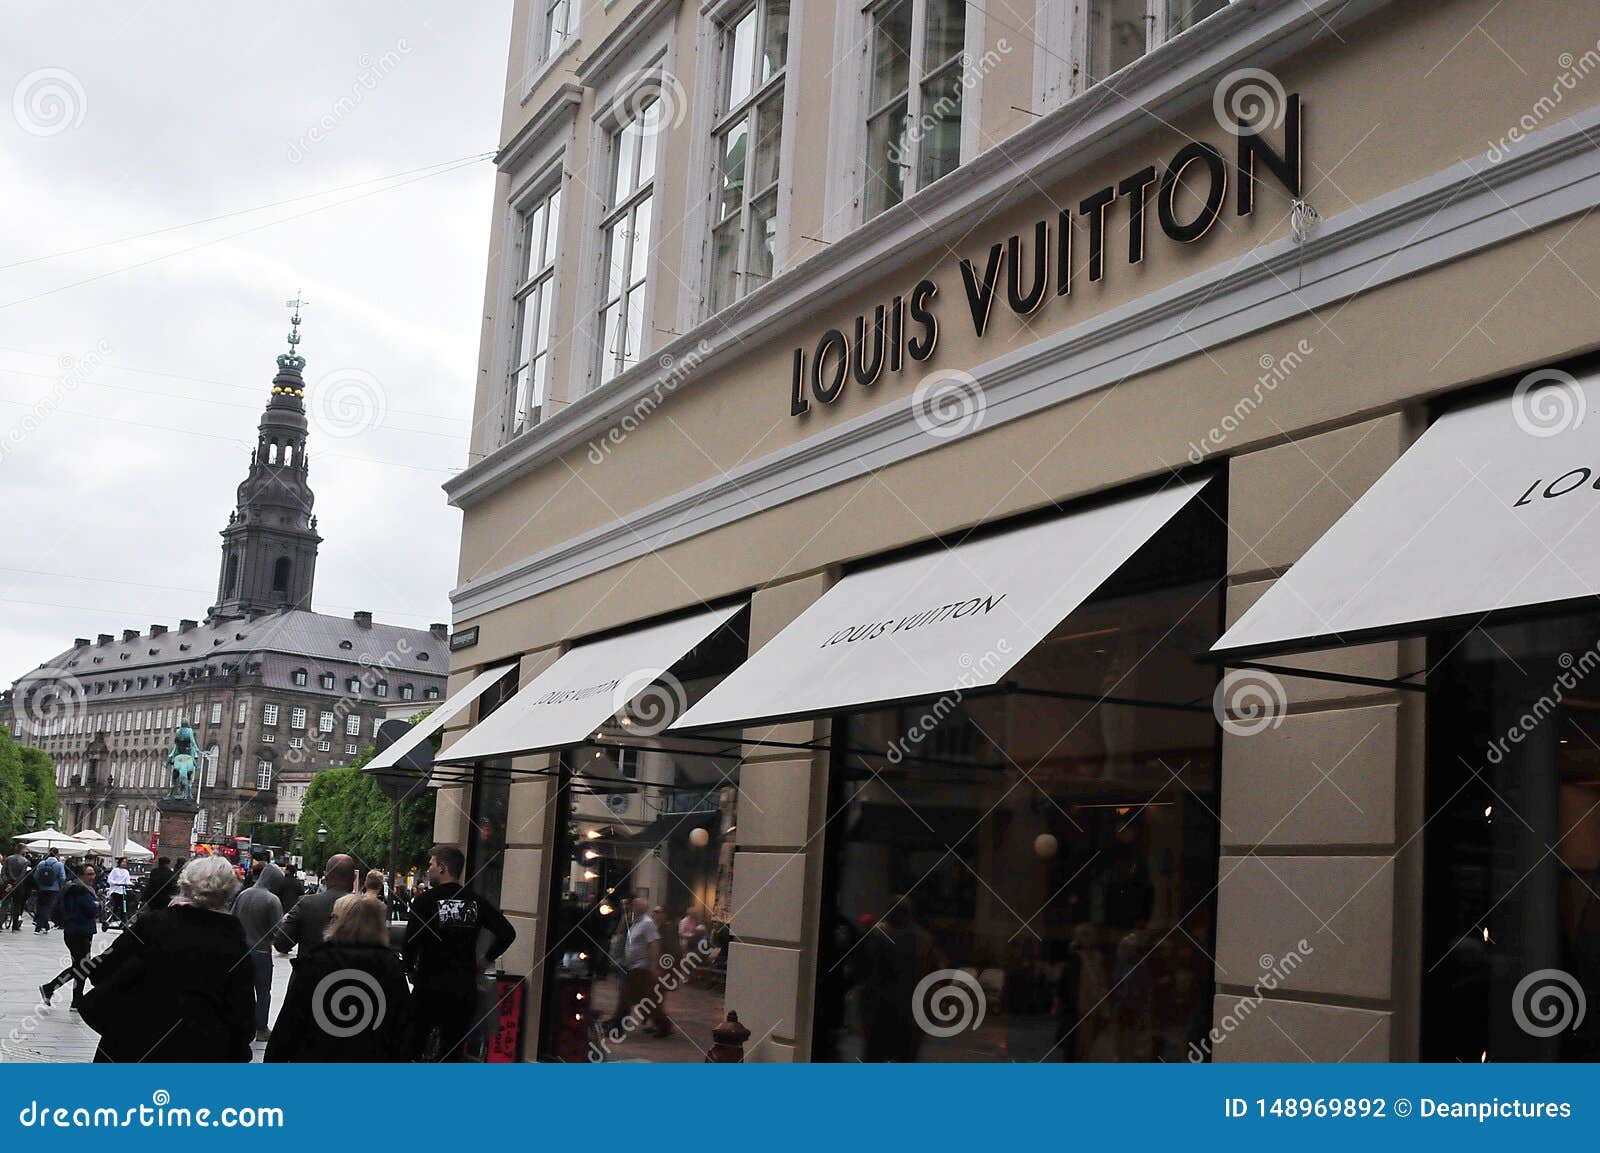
<point x="31" y="1031"/>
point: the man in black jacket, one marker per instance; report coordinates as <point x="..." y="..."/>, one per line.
<point x="158" y="887"/>
<point x="308" y="920"/>
<point x="441" y="953"/>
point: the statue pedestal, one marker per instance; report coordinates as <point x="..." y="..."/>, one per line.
<point x="176" y="827"/>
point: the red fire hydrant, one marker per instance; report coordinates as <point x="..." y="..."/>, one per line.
<point x="727" y="1041"/>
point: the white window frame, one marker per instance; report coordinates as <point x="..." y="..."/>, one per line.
<point x="216" y="712"/>
<point x="646" y="107"/>
<point x="1062" y="48"/>
<point x="269" y="715"/>
<point x="297" y="718"/>
<point x="709" y="130"/>
<point x="534" y="299"/>
<point x="263" y="774"/>
<point x="325" y="721"/>
<point x="352" y="725"/>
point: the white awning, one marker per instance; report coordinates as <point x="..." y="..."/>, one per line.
<point x="436" y="720"/>
<point x="918" y="628"/>
<point x="1493" y="511"/>
<point x="583" y="689"/>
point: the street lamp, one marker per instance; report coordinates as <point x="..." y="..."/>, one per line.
<point x="32" y="817"/>
<point x="322" y="843"/>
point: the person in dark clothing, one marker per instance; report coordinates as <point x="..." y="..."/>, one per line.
<point x="13" y="871"/>
<point x="441" y="953"/>
<point x="80" y="913"/>
<point x="18" y="897"/>
<point x="293" y="889"/>
<point x="171" y="987"/>
<point x="308" y="921"/>
<point x="158" y="886"/>
<point x="347" y="1000"/>
<point x="49" y="876"/>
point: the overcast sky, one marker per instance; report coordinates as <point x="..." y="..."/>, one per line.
<point x="137" y="346"/>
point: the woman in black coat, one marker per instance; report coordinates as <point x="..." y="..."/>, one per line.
<point x="174" y="985"/>
<point x="348" y="999"/>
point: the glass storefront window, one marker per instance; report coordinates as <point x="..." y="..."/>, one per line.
<point x="1049" y="854"/>
<point x="1511" y="848"/>
<point x="648" y="821"/>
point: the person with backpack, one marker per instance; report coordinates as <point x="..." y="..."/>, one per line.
<point x="48" y="878"/>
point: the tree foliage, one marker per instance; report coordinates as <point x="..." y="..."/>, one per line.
<point x="351" y="806"/>
<point x="27" y="782"/>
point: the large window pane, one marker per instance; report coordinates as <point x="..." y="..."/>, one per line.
<point x="552" y="227"/>
<point x="646" y="130"/>
<point x="763" y="234"/>
<point x="640" y="264"/>
<point x="769" y="125"/>
<point x="775" y="39"/>
<point x="1185" y="14"/>
<point x="533" y="240"/>
<point x="891" y="51"/>
<point x="741" y="56"/>
<point x="732" y="165"/>
<point x="940" y="148"/>
<point x="886" y="139"/>
<point x="946" y="32"/>
<point x="1511" y="858"/>
<point x="1117" y="33"/>
<point x="725" y="264"/>
<point x="627" y="147"/>
<point x="635" y="326"/>
<point x="611" y="340"/>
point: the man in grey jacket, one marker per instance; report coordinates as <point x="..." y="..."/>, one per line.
<point x="260" y="913"/>
<point x="308" y="919"/>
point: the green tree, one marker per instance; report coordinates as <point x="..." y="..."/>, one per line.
<point x="39" y="777"/>
<point x="351" y="806"/>
<point x="14" y="793"/>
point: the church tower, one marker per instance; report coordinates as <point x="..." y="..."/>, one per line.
<point x="269" y="549"/>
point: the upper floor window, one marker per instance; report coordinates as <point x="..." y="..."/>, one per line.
<point x="325" y="721"/>
<point x="381" y="689"/>
<point x="216" y="712"/>
<point x="914" y="97"/>
<point x="532" y="306"/>
<point x="407" y="692"/>
<point x="432" y="694"/>
<point x="625" y="232"/>
<point x="1118" y="32"/>
<point x="263" y="774"/>
<point x="298" y="676"/>
<point x="269" y="714"/>
<point x="557" y="13"/>
<point x="754" y="51"/>
<point x="297" y="718"/>
<point x="326" y="680"/>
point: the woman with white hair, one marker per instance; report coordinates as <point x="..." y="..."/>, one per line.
<point x="177" y="984"/>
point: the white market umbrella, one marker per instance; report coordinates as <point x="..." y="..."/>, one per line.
<point x="119" y="830"/>
<point x="46" y="839"/>
<point x="96" y="843"/>
<point x="134" y="851"/>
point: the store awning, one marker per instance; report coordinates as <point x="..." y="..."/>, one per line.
<point x="436" y="720"/>
<point x="1491" y="514"/>
<point x="586" y="686"/>
<point x="922" y="627"/>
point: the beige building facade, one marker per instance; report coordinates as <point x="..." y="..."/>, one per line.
<point x="1256" y="248"/>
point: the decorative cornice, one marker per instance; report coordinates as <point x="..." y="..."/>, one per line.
<point x="1158" y="87"/>
<point x="614" y="46"/>
<point x="559" y="107"/>
<point x="1470" y="206"/>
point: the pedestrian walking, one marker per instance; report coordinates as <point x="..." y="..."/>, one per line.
<point x="260" y="912"/>
<point x="293" y="889"/>
<point x="80" y="913"/>
<point x="348" y="1000"/>
<point x="441" y="954"/>
<point x="307" y="922"/>
<point x="641" y="960"/>
<point x="171" y="988"/>
<point x="49" y="875"/>
<point x="16" y="873"/>
<point x="117" y="884"/>
<point x="158" y="885"/>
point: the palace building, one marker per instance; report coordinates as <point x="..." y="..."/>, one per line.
<point x="1080" y="507"/>
<point x="270" y="687"/>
